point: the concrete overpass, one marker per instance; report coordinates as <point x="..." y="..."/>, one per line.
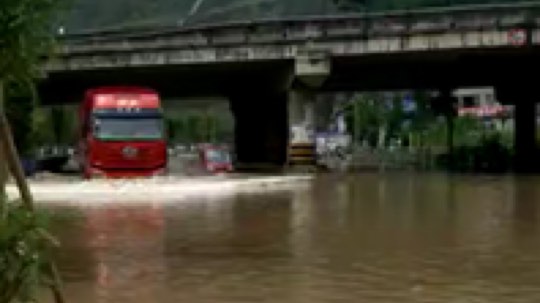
<point x="269" y="68"/>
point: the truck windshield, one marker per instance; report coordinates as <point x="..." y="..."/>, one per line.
<point x="133" y="128"/>
<point x="217" y="156"/>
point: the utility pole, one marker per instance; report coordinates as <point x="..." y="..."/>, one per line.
<point x="356" y="125"/>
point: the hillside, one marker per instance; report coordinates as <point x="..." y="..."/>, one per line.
<point x="91" y="14"/>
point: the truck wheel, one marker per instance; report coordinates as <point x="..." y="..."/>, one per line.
<point x="86" y="173"/>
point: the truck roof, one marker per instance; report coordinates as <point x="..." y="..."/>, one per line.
<point x="120" y="89"/>
<point x="89" y="100"/>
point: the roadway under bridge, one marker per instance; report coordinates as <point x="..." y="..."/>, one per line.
<point x="270" y="69"/>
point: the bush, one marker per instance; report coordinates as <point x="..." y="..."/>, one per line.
<point x="19" y="110"/>
<point x="23" y="254"/>
<point x="489" y="155"/>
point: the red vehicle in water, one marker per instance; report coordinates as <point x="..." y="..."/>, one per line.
<point x="122" y="133"/>
<point x="215" y="159"/>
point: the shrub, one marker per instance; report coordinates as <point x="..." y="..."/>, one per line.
<point x="23" y="253"/>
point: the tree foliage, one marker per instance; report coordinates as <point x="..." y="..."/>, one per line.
<point x="373" y="112"/>
<point x="25" y="37"/>
<point x="23" y="254"/>
<point x="192" y="126"/>
<point x="19" y="110"/>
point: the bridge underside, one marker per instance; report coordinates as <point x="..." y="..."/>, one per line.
<point x="420" y="70"/>
<point x="170" y="80"/>
<point x="432" y="70"/>
<point x="258" y="89"/>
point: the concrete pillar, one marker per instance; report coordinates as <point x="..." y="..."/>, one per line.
<point x="301" y="116"/>
<point x="312" y="68"/>
<point x="525" y="146"/>
<point x="445" y="105"/>
<point x="262" y="118"/>
<point x="324" y="108"/>
<point x="261" y="130"/>
<point x="3" y="159"/>
<point x="525" y="137"/>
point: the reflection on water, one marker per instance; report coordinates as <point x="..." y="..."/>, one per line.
<point x="367" y="238"/>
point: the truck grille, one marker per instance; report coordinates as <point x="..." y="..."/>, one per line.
<point x="120" y="158"/>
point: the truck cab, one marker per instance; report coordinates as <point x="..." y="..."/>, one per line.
<point x="215" y="159"/>
<point x="122" y="133"/>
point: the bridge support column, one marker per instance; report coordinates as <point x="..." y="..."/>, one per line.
<point x="261" y="131"/>
<point x="525" y="137"/>
<point x="525" y="145"/>
<point x="301" y="151"/>
<point x="445" y="105"/>
<point x="449" y="112"/>
<point x="312" y="68"/>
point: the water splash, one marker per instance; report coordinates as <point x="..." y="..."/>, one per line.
<point x="165" y="189"/>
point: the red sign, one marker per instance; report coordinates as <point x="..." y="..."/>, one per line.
<point x="484" y="111"/>
<point x="517" y="37"/>
<point x="126" y="101"/>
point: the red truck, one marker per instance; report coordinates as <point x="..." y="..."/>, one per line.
<point x="122" y="133"/>
<point x="215" y="159"/>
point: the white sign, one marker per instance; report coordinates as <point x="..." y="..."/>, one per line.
<point x="302" y="134"/>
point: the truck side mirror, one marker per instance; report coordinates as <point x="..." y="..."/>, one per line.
<point x="95" y="126"/>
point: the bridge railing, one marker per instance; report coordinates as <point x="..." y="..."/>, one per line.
<point x="309" y="28"/>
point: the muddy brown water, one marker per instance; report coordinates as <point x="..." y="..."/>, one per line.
<point x="364" y="238"/>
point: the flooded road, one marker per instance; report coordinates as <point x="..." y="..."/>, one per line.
<point x="364" y="238"/>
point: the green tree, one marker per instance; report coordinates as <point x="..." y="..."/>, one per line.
<point x="42" y="126"/>
<point x="19" y="111"/>
<point x="374" y="115"/>
<point x="179" y="126"/>
<point x="58" y="117"/>
<point x="25" y="37"/>
<point x="171" y="130"/>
